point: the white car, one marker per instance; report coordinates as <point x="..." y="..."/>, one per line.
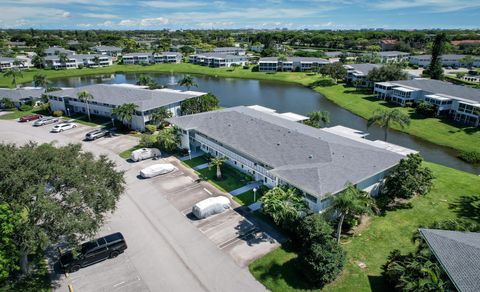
<point x="63" y="127"/>
<point x="210" y="206"/>
<point x="157" y="169"/>
<point x="45" y="121"/>
<point x="144" y="153"/>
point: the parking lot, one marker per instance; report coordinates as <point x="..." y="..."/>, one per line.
<point x="168" y="249"/>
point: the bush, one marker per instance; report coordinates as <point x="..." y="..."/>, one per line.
<point x="80" y="66"/>
<point x="322" y="262"/>
<point x="25" y="108"/>
<point x="426" y="109"/>
<point x="151" y="128"/>
<point x="58" y="113"/>
<point x="313" y="228"/>
<point x="7" y="103"/>
<point x="470" y="156"/>
<point x="246" y="67"/>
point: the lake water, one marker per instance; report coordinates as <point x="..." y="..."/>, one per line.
<point x="283" y="97"/>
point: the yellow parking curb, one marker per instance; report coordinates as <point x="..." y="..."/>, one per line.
<point x="70" y="287"/>
<point x="66" y="275"/>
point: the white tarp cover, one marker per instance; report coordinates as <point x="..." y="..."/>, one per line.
<point x="157" y="169"/>
<point x="210" y="207"/>
<point x="144" y="153"/>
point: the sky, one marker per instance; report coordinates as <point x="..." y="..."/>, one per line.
<point x="223" y="14"/>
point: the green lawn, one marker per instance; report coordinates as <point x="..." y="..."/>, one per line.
<point x="247" y="197"/>
<point x="384" y="233"/>
<point x="126" y="154"/>
<point x="94" y="120"/>
<point x="437" y="131"/>
<point x="16" y="114"/>
<point x="196" y="161"/>
<point x="301" y="78"/>
<point x="232" y="178"/>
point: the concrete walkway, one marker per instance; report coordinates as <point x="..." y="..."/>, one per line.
<point x="201" y="166"/>
<point x="192" y="155"/>
<point x="246" y="188"/>
<point x="255" y="206"/>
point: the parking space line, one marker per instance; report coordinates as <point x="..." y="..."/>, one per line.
<point x="118" y="284"/>
<point x="210" y="193"/>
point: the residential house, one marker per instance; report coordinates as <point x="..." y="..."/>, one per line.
<point x="107" y="50"/>
<point x="458" y="254"/>
<point x="217" y="60"/>
<point x="277" y="150"/>
<point x="447" y="61"/>
<point x="77" y="61"/>
<point x="388" y="44"/>
<point x="301" y="64"/>
<point x="20" y="96"/>
<point x="462" y="103"/>
<point x="9" y="63"/>
<point x="56" y="50"/>
<point x="257" y="48"/>
<point x="229" y="51"/>
<point x="106" y="97"/>
<point x="465" y="42"/>
<point x="149" y="58"/>
<point x="358" y="74"/>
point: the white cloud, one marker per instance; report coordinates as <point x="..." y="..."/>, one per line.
<point x="127" y="22"/>
<point x="435" y="5"/>
<point x="99" y="15"/>
<point x="12" y="15"/>
<point x="215" y="24"/>
<point x="173" y="4"/>
<point x="153" y="21"/>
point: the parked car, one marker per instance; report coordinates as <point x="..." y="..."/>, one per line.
<point x="98" y="133"/>
<point x="144" y="153"/>
<point x="210" y="206"/>
<point x="63" y="127"/>
<point x="157" y="169"/>
<point x="28" y="118"/>
<point x="45" y="121"/>
<point x="93" y="252"/>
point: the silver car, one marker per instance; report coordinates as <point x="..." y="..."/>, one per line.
<point x="45" y="121"/>
<point x="63" y="127"/>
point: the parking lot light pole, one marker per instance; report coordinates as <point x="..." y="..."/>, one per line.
<point x="189" y="154"/>
<point x="113" y="122"/>
<point x="254" y="195"/>
<point x="68" y="111"/>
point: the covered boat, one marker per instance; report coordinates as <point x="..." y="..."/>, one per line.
<point x="210" y="206"/>
<point x="157" y="169"/>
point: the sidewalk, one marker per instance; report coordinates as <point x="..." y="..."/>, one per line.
<point x="246" y="188"/>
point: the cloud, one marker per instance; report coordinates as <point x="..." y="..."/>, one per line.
<point x="172" y="4"/>
<point x="99" y="15"/>
<point x="127" y="22"/>
<point x="158" y="21"/>
<point x="215" y="24"/>
<point x="435" y="5"/>
<point x="13" y="16"/>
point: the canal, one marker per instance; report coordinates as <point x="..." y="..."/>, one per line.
<point x="284" y="97"/>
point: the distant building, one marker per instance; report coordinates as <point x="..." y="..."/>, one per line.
<point x="76" y="61"/>
<point x="388" y="44"/>
<point x="447" y="60"/>
<point x="107" y="50"/>
<point x="359" y="73"/>
<point x="55" y="50"/>
<point x="301" y="64"/>
<point x="21" y="96"/>
<point x="393" y="56"/>
<point x="106" y="97"/>
<point x="465" y="42"/>
<point x="229" y="51"/>
<point x="9" y="63"/>
<point x="149" y="58"/>
<point x="216" y="60"/>
<point x="257" y="48"/>
<point x="461" y="103"/>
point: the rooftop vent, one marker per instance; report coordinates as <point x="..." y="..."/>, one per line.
<point x="310" y="156"/>
<point x="278" y="143"/>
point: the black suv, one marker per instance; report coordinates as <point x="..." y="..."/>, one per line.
<point x="95" y="134"/>
<point x="93" y="252"/>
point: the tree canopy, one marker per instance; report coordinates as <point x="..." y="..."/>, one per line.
<point x="200" y="104"/>
<point x="387" y="72"/>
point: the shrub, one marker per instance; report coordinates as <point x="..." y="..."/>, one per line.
<point x="7" y="103"/>
<point x="25" y="108"/>
<point x="58" y="113"/>
<point x="246" y="67"/>
<point x="313" y="228"/>
<point x="470" y="156"/>
<point x="151" y="128"/>
<point x="148" y="140"/>
<point x="426" y="109"/>
<point x="80" y="66"/>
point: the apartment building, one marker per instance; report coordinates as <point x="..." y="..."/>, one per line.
<point x="10" y="63"/>
<point x="447" y="61"/>
<point x="300" y="64"/>
<point x="230" y="51"/>
<point x="277" y="150"/>
<point x="106" y="97"/>
<point x="393" y="56"/>
<point x="461" y="103"/>
<point x="216" y="60"/>
<point x="22" y="95"/>
<point x="149" y="58"/>
<point x="77" y="61"/>
<point x="359" y="73"/>
<point x="107" y="50"/>
<point x="56" y="50"/>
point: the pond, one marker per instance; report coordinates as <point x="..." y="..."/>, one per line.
<point x="284" y="97"/>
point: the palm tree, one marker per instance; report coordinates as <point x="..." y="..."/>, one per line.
<point x="40" y="80"/>
<point x="125" y="112"/>
<point x="18" y="63"/>
<point x="282" y="59"/>
<point x="14" y="74"/>
<point x="188" y="82"/>
<point x="85" y="96"/>
<point x="96" y="60"/>
<point x="160" y="115"/>
<point x="284" y="206"/>
<point x="63" y="59"/>
<point x="318" y="119"/>
<point x="217" y="162"/>
<point x="384" y="119"/>
<point x="350" y="201"/>
<point x="38" y="61"/>
<point x="168" y="139"/>
<point x="144" y="80"/>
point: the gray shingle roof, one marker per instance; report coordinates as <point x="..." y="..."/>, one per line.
<point x="311" y="159"/>
<point x="16" y="95"/>
<point x="6" y="59"/>
<point x="392" y="53"/>
<point x="146" y="99"/>
<point x="296" y="59"/>
<point x="106" y="48"/>
<point x="442" y="87"/>
<point x="459" y="254"/>
<point x="364" y="68"/>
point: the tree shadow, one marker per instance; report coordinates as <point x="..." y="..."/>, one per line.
<point x="377" y="283"/>
<point x="467" y="207"/>
<point x="385" y="204"/>
<point x="323" y="83"/>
